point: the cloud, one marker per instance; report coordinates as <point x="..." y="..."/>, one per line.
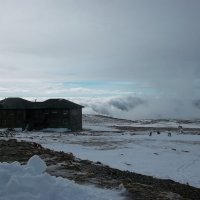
<point x="133" y="108"/>
<point x="106" y="40"/>
<point x="111" y="106"/>
<point x="127" y="103"/>
<point x="197" y="103"/>
<point x="153" y="44"/>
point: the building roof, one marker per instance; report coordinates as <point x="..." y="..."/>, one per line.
<point x="60" y="103"/>
<point x="19" y="103"/>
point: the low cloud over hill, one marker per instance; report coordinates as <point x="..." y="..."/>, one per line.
<point x="131" y="107"/>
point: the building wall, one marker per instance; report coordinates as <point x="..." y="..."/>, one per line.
<point x="57" y="118"/>
<point x="46" y="118"/>
<point x="76" y="119"/>
<point x="12" y="118"/>
<point x="41" y="118"/>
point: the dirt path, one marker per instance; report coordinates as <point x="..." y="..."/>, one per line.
<point x="87" y="172"/>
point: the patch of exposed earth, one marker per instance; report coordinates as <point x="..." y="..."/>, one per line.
<point x="86" y="172"/>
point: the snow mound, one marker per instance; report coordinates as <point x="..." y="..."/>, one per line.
<point x="19" y="182"/>
<point x="36" y="164"/>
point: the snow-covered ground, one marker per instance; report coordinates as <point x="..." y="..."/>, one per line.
<point x="29" y="182"/>
<point x="97" y="121"/>
<point x="176" y="157"/>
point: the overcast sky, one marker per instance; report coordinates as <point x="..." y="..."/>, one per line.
<point x="115" y="50"/>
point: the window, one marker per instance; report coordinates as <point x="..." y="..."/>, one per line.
<point x="65" y="121"/>
<point x="65" y="112"/>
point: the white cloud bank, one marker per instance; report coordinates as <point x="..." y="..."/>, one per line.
<point x="141" y="108"/>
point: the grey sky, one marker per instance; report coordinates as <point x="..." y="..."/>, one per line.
<point x="46" y="43"/>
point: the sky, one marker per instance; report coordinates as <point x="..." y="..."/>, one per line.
<point x="125" y="58"/>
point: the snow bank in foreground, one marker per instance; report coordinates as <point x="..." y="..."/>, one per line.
<point x="19" y="182"/>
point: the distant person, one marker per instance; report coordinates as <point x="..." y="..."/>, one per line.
<point x="150" y="134"/>
<point x="158" y="132"/>
<point x="169" y="134"/>
<point x="180" y="129"/>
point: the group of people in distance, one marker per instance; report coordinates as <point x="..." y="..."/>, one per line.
<point x="168" y="132"/>
<point x="158" y="133"/>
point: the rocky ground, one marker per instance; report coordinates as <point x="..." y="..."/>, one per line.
<point x="86" y="172"/>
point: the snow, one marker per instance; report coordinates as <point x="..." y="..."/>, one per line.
<point x="36" y="164"/>
<point x="99" y="128"/>
<point x="19" y="182"/>
<point x="176" y="157"/>
<point x="58" y="130"/>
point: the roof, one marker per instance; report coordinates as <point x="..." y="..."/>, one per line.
<point x="60" y="103"/>
<point x="19" y="103"/>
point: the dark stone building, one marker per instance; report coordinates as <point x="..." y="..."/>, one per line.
<point x="52" y="113"/>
